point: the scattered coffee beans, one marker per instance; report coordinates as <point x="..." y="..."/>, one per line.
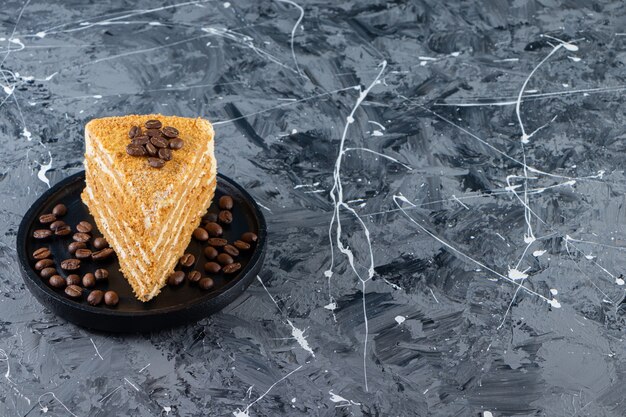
<point x="224" y="259"/>
<point x="210" y="218"/>
<point x="231" y="250"/>
<point x="111" y="298"/>
<point x="187" y="260"/>
<point x="200" y="234"/>
<point x="206" y="283"/>
<point x="212" y="267"/>
<point x="156" y="162"/>
<point x="73" y="279"/>
<point x="176" y="278"/>
<point x="241" y="245"/>
<point x="100" y="243"/>
<point x="63" y="230"/>
<point x="47" y="218"/>
<point x="170" y="132"/>
<point x="42" y="233"/>
<point x="84" y="227"/>
<point x="165" y="154"/>
<point x="73" y="291"/>
<point x="83" y="253"/>
<point x="81" y="237"/>
<point x="102" y="254"/>
<point x="231" y="268"/>
<point x="42" y="253"/>
<point x="43" y="264"/>
<point x="249" y="237"/>
<point x="56" y="281"/>
<point x="56" y="225"/>
<point x="176" y="144"/>
<point x="210" y="252"/>
<point x="194" y="276"/>
<point x="101" y="274"/>
<point x="71" y="264"/>
<point x="151" y="149"/>
<point x="225" y="217"/>
<point x="59" y="210"/>
<point x="48" y="272"/>
<point x="217" y="242"/>
<point x="214" y="229"/>
<point x="134" y="132"/>
<point x="153" y="124"/>
<point x="89" y="280"/>
<point x="226" y="202"/>
<point x="95" y="297"/>
<point x="74" y="246"/>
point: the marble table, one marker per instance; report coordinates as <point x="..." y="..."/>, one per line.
<point x="443" y="183"/>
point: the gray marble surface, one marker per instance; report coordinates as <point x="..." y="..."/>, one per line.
<point x="444" y="188"/>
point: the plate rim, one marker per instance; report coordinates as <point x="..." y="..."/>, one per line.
<point x="29" y="273"/>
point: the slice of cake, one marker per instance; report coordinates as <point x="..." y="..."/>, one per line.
<point x="150" y="178"/>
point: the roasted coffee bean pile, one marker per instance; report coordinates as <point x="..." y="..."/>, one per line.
<point x="73" y="285"/>
<point x="222" y="255"/>
<point x="155" y="142"/>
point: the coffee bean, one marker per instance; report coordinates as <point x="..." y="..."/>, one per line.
<point x="42" y="253"/>
<point x="74" y="246"/>
<point x="212" y="267"/>
<point x="59" y="210"/>
<point x="156" y="162"/>
<point x="81" y="237"/>
<point x="73" y="291"/>
<point x="217" y="242"/>
<point x="214" y="229"/>
<point x="176" y="278"/>
<point x="226" y="202"/>
<point x="101" y="274"/>
<point x="170" y="132"/>
<point x="210" y="252"/>
<point x="84" y="227"/>
<point x="48" y="272"/>
<point x="63" y="230"/>
<point x="241" y="245"/>
<point x="55" y="225"/>
<point x="43" y="264"/>
<point x="165" y="154"/>
<point x="56" y="281"/>
<point x="210" y="217"/>
<point x="176" y="143"/>
<point x="95" y="297"/>
<point x="151" y="149"/>
<point x="73" y="279"/>
<point x="153" y="133"/>
<point x="231" y="250"/>
<point x="102" y="254"/>
<point x="134" y="132"/>
<point x="89" y="280"/>
<point x="206" y="283"/>
<point x="224" y="259"/>
<point x="136" y="150"/>
<point x="159" y="142"/>
<point x="100" y="243"/>
<point x="153" y="124"/>
<point x="47" y="218"/>
<point x="194" y="276"/>
<point x="200" y="234"/>
<point x="71" y="264"/>
<point x="187" y="260"/>
<point x="249" y="237"/>
<point x="231" y="268"/>
<point x="42" y="233"/>
<point x="225" y="217"/>
<point x="83" y="253"/>
<point x="140" y="140"/>
<point x="111" y="298"/>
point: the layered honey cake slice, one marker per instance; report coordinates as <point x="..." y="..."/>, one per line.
<point x="149" y="180"/>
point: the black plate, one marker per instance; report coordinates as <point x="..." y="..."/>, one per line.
<point x="173" y="306"/>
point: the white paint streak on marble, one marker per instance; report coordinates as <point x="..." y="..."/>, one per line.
<point x="245" y="411"/>
<point x="400" y="319"/>
<point x="96" y="348"/>
<point x="343" y="402"/>
<point x="293" y="32"/>
<point x="43" y="169"/>
<point x="45" y="409"/>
